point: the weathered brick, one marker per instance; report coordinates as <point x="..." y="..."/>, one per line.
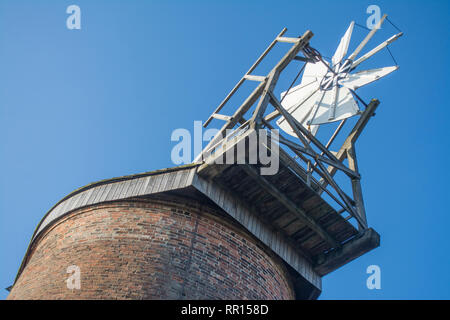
<point x="151" y="249"/>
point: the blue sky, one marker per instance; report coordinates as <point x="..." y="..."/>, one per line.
<point x="78" y="106"/>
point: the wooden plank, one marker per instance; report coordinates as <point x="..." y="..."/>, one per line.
<point x="164" y="183"/>
<point x="154" y="184"/>
<point x="94" y="194"/>
<point x="288" y="39"/>
<point x="177" y="181"/>
<point x="137" y="185"/>
<point x="144" y="185"/>
<point x="100" y="191"/>
<point x="252" y="77"/>
<point x="221" y="117"/>
<point x="291" y="206"/>
<point x="86" y="198"/>
<point x="190" y="177"/>
<point x="351" y="250"/>
<point x="105" y="193"/>
<point x="171" y="181"/>
<point x="118" y="191"/>
<point x="77" y="199"/>
<point x="113" y="190"/>
<point x="126" y="186"/>
<point x="70" y="205"/>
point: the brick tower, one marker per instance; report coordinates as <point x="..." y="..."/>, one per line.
<point x="151" y="236"/>
<point x="213" y="229"/>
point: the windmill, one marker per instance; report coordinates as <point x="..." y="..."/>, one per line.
<point x="304" y="203"/>
<point x="278" y="234"/>
<point x="326" y="92"/>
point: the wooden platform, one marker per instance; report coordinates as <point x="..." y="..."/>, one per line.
<point x="289" y="205"/>
<point x="271" y="209"/>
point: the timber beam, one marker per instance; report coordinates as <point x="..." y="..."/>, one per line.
<point x="366" y="241"/>
<point x="290" y="205"/>
<point x="355" y="133"/>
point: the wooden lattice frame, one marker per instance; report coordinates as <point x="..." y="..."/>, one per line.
<point x="326" y="163"/>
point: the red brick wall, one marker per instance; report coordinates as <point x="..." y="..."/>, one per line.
<point x="152" y="249"/>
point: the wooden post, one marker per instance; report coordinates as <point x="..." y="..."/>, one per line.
<point x="353" y="136"/>
<point x="356" y="186"/>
